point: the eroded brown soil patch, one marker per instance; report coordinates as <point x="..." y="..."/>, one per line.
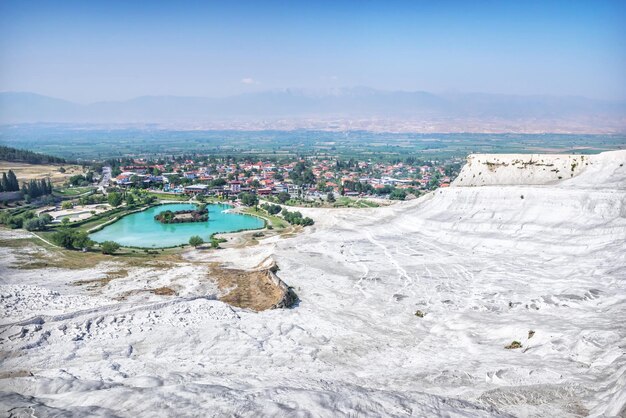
<point x="111" y="275"/>
<point x="163" y="291"/>
<point x="247" y="289"/>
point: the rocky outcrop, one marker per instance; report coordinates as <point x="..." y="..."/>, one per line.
<point x="258" y="289"/>
<point x="289" y="297"/>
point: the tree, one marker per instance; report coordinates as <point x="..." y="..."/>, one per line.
<point x="195" y="241"/>
<point x="12" y="182"/>
<point x="65" y="220"/>
<point x="109" y="247"/>
<point x="330" y="198"/>
<point x="9" y="182"/>
<point x="397" y="194"/>
<point x="78" y="180"/>
<point x="64" y="238"/>
<point x="283" y="197"/>
<point x="81" y="240"/>
<point x="31" y="225"/>
<point x="249" y="199"/>
<point x="67" y="205"/>
<point x="114" y="199"/>
<point x="38" y="224"/>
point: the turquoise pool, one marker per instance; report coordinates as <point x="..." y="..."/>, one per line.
<point x="141" y="230"/>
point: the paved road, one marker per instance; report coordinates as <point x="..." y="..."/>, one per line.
<point x="106" y="178"/>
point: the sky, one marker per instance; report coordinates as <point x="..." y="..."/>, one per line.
<point x="88" y="51"/>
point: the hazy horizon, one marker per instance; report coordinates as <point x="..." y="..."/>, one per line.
<point x="88" y="52"/>
<point x="313" y="92"/>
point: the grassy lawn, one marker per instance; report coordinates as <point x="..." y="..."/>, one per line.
<point x="342" y="202"/>
<point x="348" y="202"/>
<point x="167" y="196"/>
<point x="73" y="191"/>
<point x="56" y="257"/>
<point x="276" y="221"/>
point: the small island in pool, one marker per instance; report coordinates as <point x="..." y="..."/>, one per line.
<point x="183" y="216"/>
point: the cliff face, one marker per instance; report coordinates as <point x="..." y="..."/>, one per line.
<point x="509" y="169"/>
<point x="525" y="203"/>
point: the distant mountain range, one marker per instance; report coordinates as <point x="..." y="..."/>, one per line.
<point x="345" y="103"/>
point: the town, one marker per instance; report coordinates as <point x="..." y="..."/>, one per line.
<point x="297" y="180"/>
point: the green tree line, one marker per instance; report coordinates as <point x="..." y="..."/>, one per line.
<point x="37" y="188"/>
<point x="20" y="155"/>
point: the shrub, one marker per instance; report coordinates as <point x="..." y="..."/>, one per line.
<point x="514" y="345"/>
<point x="109" y="247"/>
<point x="195" y="241"/>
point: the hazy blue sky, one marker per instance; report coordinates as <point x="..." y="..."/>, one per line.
<point x="91" y="50"/>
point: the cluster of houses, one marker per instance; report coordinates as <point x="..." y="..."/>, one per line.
<point x="266" y="178"/>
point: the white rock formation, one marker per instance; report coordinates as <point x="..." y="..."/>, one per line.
<point x="516" y="169"/>
<point x="486" y="265"/>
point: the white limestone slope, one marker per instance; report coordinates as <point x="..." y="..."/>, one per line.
<point x="515" y="169"/>
<point x="484" y="264"/>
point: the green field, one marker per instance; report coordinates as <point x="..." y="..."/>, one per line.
<point x="89" y="143"/>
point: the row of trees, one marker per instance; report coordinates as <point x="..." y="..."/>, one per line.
<point x="295" y="218"/>
<point x="9" y="182"/>
<point x="26" y="220"/>
<point x="271" y="209"/>
<point x="39" y="223"/>
<point x="131" y="198"/>
<point x="81" y="180"/>
<point x="72" y="239"/>
<point x="37" y="188"/>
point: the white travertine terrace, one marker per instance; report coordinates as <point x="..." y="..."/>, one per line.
<point x="519" y="250"/>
